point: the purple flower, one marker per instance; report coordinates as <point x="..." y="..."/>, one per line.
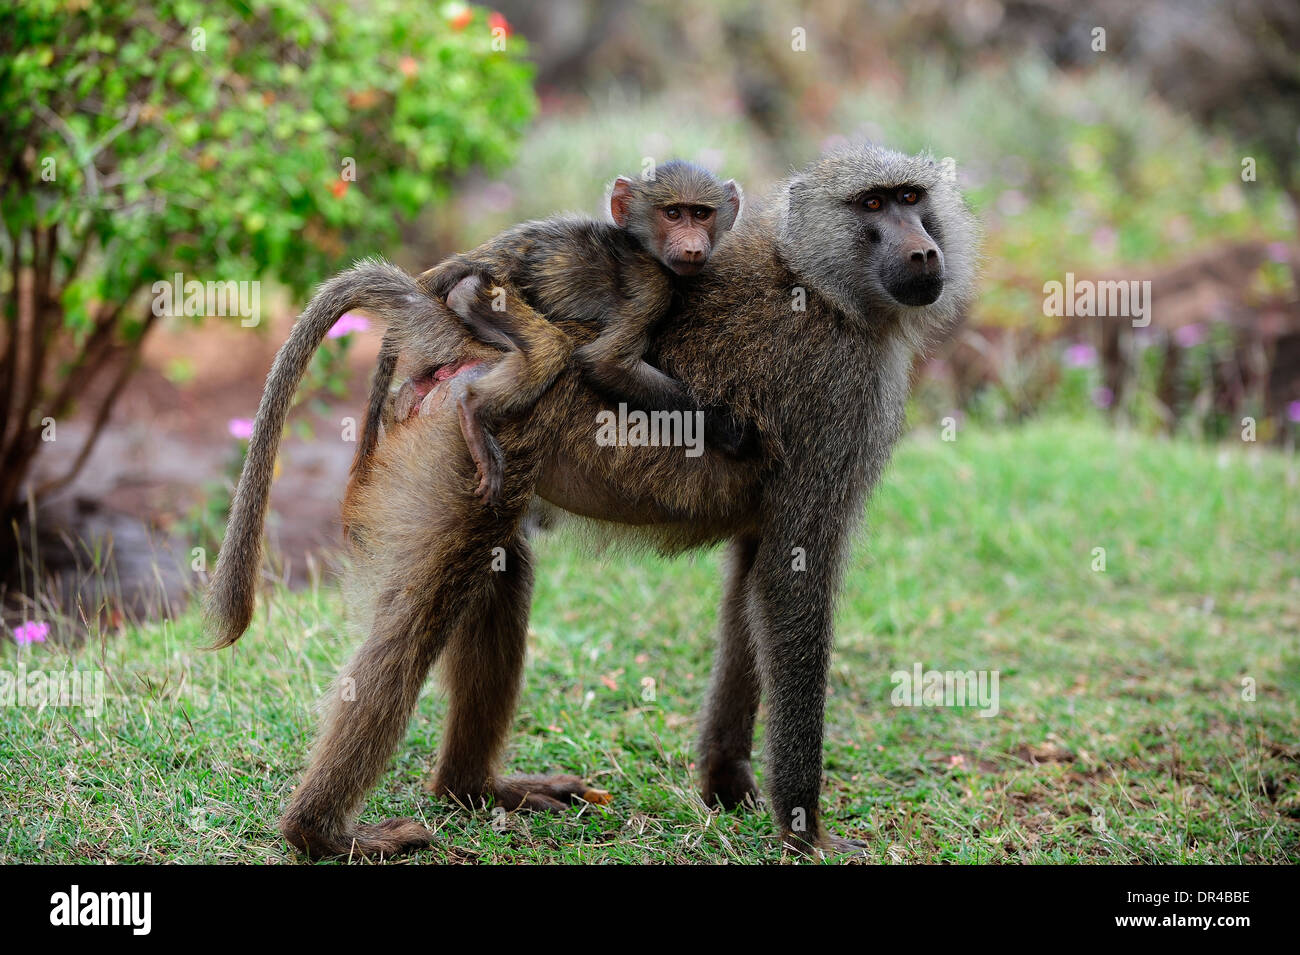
<point x="1189" y="336"/>
<point x="1293" y="411"/>
<point x="1102" y="397"/>
<point x="31" y="632"/>
<point x="1278" y="251"/>
<point x="1081" y="355"/>
<point x="241" y="428"/>
<point x="348" y="323"/>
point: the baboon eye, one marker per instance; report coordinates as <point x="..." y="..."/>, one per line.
<point x="703" y="212"/>
<point x="909" y="197"/>
<point x="672" y="212"/>
<point x="872" y="202"/>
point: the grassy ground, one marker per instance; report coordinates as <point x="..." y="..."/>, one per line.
<point x="1124" y="732"/>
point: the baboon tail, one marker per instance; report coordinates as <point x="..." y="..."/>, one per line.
<point x="384" y="291"/>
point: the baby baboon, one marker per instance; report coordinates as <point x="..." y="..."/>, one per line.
<point x="619" y="279"/>
<point x="804" y="325"/>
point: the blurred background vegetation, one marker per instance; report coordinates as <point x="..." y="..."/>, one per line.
<point x="1155" y="142"/>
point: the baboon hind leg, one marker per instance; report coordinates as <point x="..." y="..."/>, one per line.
<point x="536" y="354"/>
<point x="423" y="541"/>
<point x="370" y="707"/>
<point x="483" y="669"/>
<point x="727" y="735"/>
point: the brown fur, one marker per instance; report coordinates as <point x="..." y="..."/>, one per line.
<point x="824" y="388"/>
<point x="615" y="280"/>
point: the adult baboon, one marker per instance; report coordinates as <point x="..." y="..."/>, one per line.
<point x="804" y="326"/>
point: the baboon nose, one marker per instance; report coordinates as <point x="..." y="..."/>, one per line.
<point x="693" y="255"/>
<point x="925" y="260"/>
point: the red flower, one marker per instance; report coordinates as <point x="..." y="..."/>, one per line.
<point x="496" y="20"/>
<point x="462" y="19"/>
<point x="339" y="187"/>
<point x="408" y="66"/>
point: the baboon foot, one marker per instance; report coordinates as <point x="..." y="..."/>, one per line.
<point x="545" y="793"/>
<point x="529" y="793"/>
<point x="389" y="838"/>
<point x="482" y="308"/>
<point x="463" y="295"/>
<point x="447" y="275"/>
<point x="486" y="452"/>
<point x="730" y="785"/>
<point x="471" y="300"/>
<point x="825" y="846"/>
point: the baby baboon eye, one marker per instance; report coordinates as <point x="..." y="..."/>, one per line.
<point x="672" y="212"/>
<point x="872" y="202"/>
<point x="703" y="212"/>
<point x="909" y="197"/>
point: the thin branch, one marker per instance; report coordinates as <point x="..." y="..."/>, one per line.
<point x="93" y="353"/>
<point x="78" y="148"/>
<point x="156" y="165"/>
<point x="9" y="362"/>
<point x="129" y="365"/>
<point x="132" y="114"/>
<point x="42" y="331"/>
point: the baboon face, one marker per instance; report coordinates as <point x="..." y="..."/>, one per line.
<point x="905" y="257"/>
<point x="880" y="233"/>
<point x="678" y="215"/>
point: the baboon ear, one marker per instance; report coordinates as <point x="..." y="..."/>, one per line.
<point x="733" y="200"/>
<point x="620" y="201"/>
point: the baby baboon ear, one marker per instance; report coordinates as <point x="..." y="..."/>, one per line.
<point x="733" y="201"/>
<point x="620" y="201"/>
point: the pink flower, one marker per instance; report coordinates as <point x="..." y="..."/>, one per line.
<point x="347" y="324"/>
<point x="1278" y="252"/>
<point x="1189" y="336"/>
<point x="31" y="632"/>
<point x="1081" y="355"/>
<point x="1293" y="411"/>
<point x="1102" y="397"/>
<point x="241" y="428"/>
<point x="1105" y="239"/>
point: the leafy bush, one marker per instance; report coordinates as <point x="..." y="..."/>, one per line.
<point x="227" y="141"/>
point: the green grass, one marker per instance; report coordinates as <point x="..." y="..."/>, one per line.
<point x="1122" y="736"/>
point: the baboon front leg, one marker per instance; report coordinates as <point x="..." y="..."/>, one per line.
<point x="614" y="365"/>
<point x="613" y="362"/>
<point x="483" y="669"/>
<point x="727" y="734"/>
<point x="792" y="607"/>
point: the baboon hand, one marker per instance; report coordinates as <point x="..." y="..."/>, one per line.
<point x="722" y="432"/>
